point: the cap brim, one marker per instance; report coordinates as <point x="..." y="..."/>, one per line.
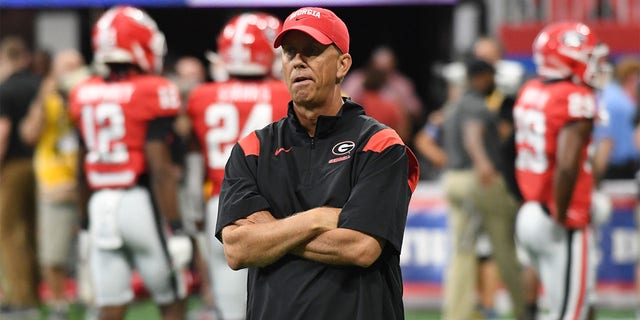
<point x="314" y="33"/>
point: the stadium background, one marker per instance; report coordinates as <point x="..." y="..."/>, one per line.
<point x="425" y="35"/>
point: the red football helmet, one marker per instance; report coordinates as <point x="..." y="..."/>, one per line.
<point x="569" y="49"/>
<point x="246" y="43"/>
<point x="125" y="34"/>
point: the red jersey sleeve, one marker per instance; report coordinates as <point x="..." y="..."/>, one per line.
<point x="575" y="103"/>
<point x="155" y="97"/>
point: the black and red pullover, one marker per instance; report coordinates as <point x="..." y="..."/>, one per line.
<point x="354" y="163"/>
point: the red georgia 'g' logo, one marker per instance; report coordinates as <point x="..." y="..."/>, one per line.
<point x="343" y="147"/>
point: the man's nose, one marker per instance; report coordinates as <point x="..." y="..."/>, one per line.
<point x="298" y="60"/>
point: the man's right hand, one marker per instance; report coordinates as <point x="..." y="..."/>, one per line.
<point x="325" y="217"/>
<point x="260" y="239"/>
<point x="486" y="173"/>
<point x="256" y="217"/>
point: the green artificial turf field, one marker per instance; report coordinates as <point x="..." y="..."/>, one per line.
<point x="146" y="310"/>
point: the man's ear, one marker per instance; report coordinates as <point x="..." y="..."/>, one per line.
<point x="344" y="64"/>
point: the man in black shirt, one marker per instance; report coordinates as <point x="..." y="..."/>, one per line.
<point x="315" y="204"/>
<point x="17" y="185"/>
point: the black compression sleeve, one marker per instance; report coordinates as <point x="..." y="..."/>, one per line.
<point x="160" y="129"/>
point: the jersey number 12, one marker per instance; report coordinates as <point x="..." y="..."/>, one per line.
<point x="103" y="128"/>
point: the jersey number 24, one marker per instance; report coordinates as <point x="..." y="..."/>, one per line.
<point x="224" y="129"/>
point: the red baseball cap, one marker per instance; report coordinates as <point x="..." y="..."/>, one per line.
<point x="321" y="24"/>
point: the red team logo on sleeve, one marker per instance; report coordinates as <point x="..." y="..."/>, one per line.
<point x="281" y="150"/>
<point x="222" y="113"/>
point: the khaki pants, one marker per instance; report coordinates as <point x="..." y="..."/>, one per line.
<point x="473" y="206"/>
<point x="18" y="267"/>
<point x="56" y="225"/>
<point x="638" y="236"/>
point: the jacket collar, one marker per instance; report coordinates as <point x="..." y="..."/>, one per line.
<point x="327" y="124"/>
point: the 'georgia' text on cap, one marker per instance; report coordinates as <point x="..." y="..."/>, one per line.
<point x="308" y="12"/>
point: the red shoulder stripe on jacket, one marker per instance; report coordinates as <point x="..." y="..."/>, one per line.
<point x="388" y="137"/>
<point x="382" y="139"/>
<point x="250" y="144"/>
<point x="414" y="170"/>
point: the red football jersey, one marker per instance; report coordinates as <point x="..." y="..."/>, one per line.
<point x="112" y="118"/>
<point x="540" y="112"/>
<point x="222" y="113"/>
<point x="383" y="110"/>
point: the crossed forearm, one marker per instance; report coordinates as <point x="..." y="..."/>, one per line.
<point x="260" y="239"/>
<point x="342" y="246"/>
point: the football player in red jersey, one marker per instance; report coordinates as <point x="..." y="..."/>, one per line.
<point x="223" y="112"/>
<point x="125" y="119"/>
<point x="554" y="116"/>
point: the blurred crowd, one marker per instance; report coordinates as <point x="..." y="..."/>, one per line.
<point x="40" y="242"/>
